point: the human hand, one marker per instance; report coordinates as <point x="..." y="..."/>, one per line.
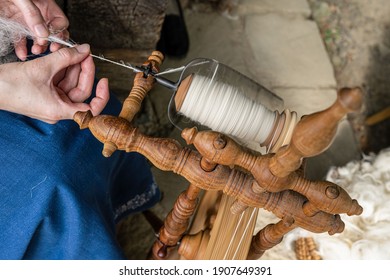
<point x="42" y="17"/>
<point x="53" y="87"/>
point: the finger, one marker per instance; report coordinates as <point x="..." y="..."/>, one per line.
<point x="67" y="108"/>
<point x="49" y="121"/>
<point x="65" y="57"/>
<point x="98" y="103"/>
<point x="21" y="49"/>
<point x="70" y="82"/>
<point x="59" y="23"/>
<point x="64" y="35"/>
<point x="38" y="49"/>
<point x="34" y="19"/>
<point x="86" y="78"/>
<point x="84" y="74"/>
<point x="55" y="46"/>
<point x="59" y="77"/>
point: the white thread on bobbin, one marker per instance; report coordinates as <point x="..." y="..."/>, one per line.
<point x="223" y="108"/>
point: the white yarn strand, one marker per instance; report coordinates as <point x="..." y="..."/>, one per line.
<point x="223" y="108"/>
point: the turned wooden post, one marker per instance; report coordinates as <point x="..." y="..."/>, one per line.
<point x="176" y="223"/>
<point x="314" y="133"/>
<point x="269" y="236"/>
<point x="178" y="219"/>
<point x="142" y="85"/>
<point x="132" y="104"/>
<point x="326" y="196"/>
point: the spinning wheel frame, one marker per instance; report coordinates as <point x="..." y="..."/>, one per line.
<point x="219" y="164"/>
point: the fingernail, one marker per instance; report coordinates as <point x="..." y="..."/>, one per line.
<point x="84" y="48"/>
<point x="41" y="31"/>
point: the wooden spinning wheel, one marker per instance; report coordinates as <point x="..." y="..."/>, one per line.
<point x="237" y="181"/>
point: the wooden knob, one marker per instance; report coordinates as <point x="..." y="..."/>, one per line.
<point x="83" y="118"/>
<point x="109" y="148"/>
<point x="163" y="252"/>
<point x="157" y="57"/>
<point x="189" y="134"/>
<point x="351" y="99"/>
<point x="315" y="132"/>
<point x="269" y="236"/>
<point x="193" y="247"/>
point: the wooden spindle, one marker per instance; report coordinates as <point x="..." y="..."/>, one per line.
<point x="321" y="194"/>
<point x="177" y="221"/>
<point x="142" y="85"/>
<point x="314" y="133"/>
<point x="269" y="236"/>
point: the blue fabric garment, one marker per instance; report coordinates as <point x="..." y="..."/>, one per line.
<point x="59" y="197"/>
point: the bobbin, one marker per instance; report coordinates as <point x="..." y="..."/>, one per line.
<point x="282" y="127"/>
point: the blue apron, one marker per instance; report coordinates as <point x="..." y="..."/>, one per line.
<point x="59" y="197"/>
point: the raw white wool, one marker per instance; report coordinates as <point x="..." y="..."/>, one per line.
<point x="10" y="32"/>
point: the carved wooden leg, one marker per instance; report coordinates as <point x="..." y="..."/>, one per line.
<point x="176" y="222"/>
<point x="269" y="236"/>
<point x="132" y="104"/>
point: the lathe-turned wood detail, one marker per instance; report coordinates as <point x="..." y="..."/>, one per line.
<point x="306" y="249"/>
<point x="270" y="236"/>
<point x="219" y="164"/>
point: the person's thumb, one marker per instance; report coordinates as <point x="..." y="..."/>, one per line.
<point x="65" y="57"/>
<point x="33" y="18"/>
